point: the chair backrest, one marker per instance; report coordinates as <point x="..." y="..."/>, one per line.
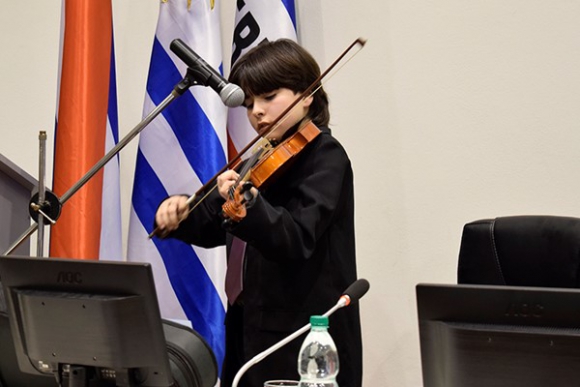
<point x="541" y="251"/>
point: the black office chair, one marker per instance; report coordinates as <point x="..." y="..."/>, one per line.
<point x="542" y="251"/>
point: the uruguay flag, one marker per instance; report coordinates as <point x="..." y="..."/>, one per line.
<point x="90" y="224"/>
<point x="256" y="20"/>
<point x="179" y="151"/>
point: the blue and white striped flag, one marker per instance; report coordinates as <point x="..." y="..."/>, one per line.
<point x="256" y="20"/>
<point x="179" y="151"/>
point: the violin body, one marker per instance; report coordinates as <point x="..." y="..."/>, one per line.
<point x="276" y="161"/>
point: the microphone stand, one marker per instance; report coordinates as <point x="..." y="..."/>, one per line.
<point x="53" y="205"/>
<point x="343" y="301"/>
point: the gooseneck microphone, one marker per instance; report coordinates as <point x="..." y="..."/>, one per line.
<point x="231" y="95"/>
<point x="352" y="294"/>
<point x="355" y="291"/>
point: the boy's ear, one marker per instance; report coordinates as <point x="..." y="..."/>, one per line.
<point x="308" y="100"/>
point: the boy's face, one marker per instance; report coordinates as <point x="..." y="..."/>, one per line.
<point x="263" y="109"/>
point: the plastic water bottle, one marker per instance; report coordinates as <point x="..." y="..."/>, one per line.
<point x="318" y="358"/>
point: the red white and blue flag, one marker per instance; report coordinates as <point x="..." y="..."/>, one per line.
<point x="90" y="223"/>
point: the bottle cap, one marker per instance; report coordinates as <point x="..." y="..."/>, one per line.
<point x="319" y="321"/>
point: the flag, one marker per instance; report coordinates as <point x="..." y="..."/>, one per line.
<point x="86" y="128"/>
<point x="256" y="21"/>
<point x="180" y="150"/>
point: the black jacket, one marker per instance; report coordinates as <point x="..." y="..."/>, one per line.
<point x="299" y="259"/>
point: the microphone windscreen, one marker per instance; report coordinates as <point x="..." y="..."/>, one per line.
<point x="232" y="95"/>
<point x="357" y="289"/>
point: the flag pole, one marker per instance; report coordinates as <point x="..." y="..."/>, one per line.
<point x="41" y="193"/>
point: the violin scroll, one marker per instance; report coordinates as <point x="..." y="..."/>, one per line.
<point x="234" y="209"/>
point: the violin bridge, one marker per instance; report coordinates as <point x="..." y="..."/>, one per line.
<point x="262" y="146"/>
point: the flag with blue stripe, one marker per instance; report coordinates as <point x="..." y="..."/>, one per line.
<point x="179" y="151"/>
<point x="111" y="245"/>
<point x="256" y="20"/>
<point x="86" y="129"/>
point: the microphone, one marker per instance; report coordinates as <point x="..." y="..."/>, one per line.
<point x="232" y="95"/>
<point x="352" y="294"/>
<point x="355" y="291"/>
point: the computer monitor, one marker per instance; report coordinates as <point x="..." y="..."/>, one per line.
<point x="91" y="323"/>
<point x="501" y="336"/>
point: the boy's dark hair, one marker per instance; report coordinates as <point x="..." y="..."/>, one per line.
<point x="279" y="64"/>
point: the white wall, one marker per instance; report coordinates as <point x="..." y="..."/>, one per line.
<point x="453" y="111"/>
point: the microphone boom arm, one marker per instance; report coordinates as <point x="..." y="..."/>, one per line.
<point x="177" y="91"/>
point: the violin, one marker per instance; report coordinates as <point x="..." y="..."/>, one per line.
<point x="267" y="168"/>
<point x="273" y="162"/>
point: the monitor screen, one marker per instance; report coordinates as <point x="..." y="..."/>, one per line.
<point x="94" y="320"/>
<point x="501" y="336"/>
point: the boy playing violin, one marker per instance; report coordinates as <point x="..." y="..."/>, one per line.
<point x="299" y="250"/>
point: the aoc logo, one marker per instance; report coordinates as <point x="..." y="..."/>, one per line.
<point x="69" y="277"/>
<point x="525" y="310"/>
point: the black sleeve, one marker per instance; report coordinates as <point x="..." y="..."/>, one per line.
<point x="203" y="226"/>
